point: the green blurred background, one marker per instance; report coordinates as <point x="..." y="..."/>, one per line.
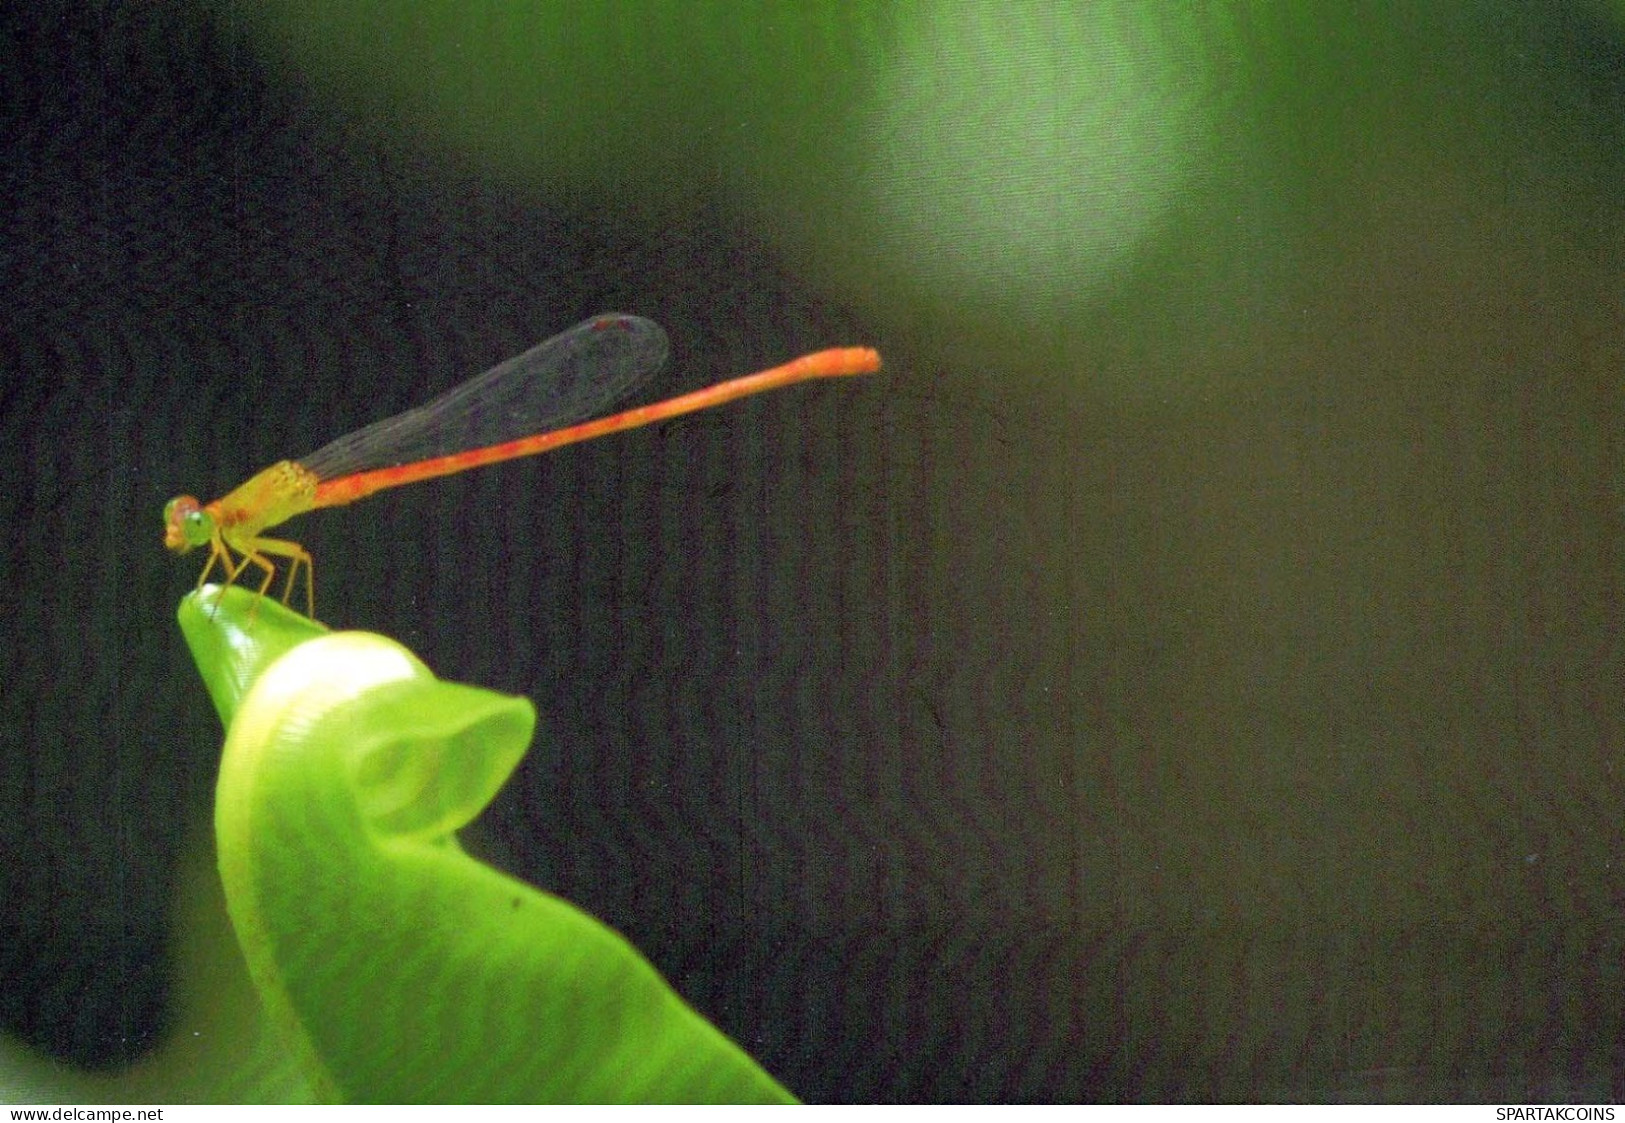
<point x="1192" y="671"/>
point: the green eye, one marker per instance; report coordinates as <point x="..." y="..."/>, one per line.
<point x="186" y="524"/>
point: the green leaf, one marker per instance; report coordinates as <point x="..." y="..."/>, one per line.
<point x="234" y="635"/>
<point x="398" y="968"/>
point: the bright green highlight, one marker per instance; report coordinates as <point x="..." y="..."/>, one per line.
<point x="1016" y="149"/>
<point x="398" y="968"/>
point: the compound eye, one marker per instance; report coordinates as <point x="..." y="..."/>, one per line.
<point x="197" y="526"/>
<point x="186" y="524"/>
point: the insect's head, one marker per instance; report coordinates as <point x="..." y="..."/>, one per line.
<point x="186" y="524"/>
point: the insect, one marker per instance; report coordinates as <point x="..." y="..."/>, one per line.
<point x="533" y="402"/>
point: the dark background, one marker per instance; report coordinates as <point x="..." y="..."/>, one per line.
<point x="1204" y="685"/>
